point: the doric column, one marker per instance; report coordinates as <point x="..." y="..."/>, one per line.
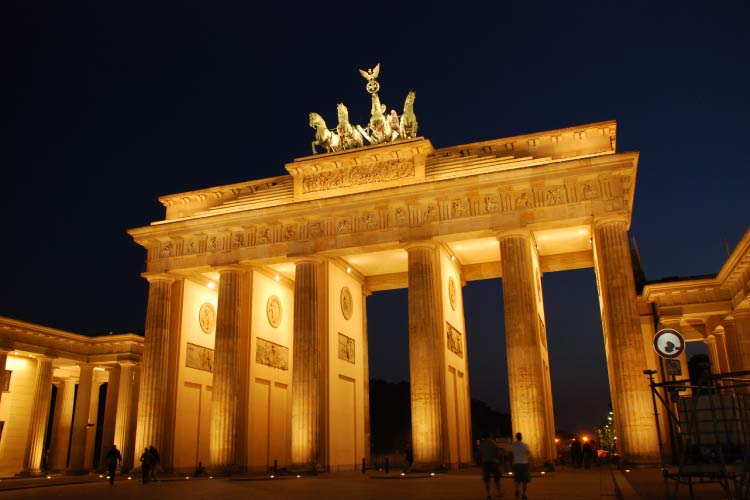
<point x="626" y="357"/>
<point x="426" y="358"/>
<point x="39" y="415"/>
<point x="153" y="388"/>
<point x="738" y="360"/>
<point x="741" y="342"/>
<point x="310" y="372"/>
<point x="713" y="354"/>
<point x="64" y="417"/>
<point x="3" y="360"/>
<point x="225" y="392"/>
<point x="81" y="419"/>
<point x="110" y="413"/>
<point x="366" y="367"/>
<point x="127" y="404"/>
<point x="526" y="347"/>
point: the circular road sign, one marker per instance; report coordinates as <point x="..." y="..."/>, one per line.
<point x="669" y="343"/>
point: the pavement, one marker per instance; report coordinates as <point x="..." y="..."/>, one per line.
<point x="601" y="482"/>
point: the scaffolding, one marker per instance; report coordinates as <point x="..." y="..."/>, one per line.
<point x="709" y="424"/>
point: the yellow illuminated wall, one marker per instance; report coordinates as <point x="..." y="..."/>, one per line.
<point x="15" y="411"/>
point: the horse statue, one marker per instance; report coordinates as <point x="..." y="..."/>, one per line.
<point x="323" y="137"/>
<point x="349" y="136"/>
<point x="408" y="125"/>
<point x="379" y="129"/>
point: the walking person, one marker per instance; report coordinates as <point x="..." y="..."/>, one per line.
<point x="521" y="472"/>
<point x="113" y="458"/>
<point x="155" y="459"/>
<point x="488" y="457"/>
<point x="588" y="455"/>
<point x="146" y="461"/>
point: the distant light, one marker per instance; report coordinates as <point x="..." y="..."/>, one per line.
<point x="510" y="473"/>
<point x="543" y="473"/>
<point x="49" y="477"/>
<point x="107" y="477"/>
<point x="557" y="440"/>
<point x="453" y="258"/>
<point x="348" y="269"/>
<point x="210" y="477"/>
<point x="272" y="476"/>
<point x="403" y="473"/>
<point x="187" y="477"/>
<point x="100" y="475"/>
<point x="211" y="284"/>
<point x="432" y="473"/>
<point x="589" y="240"/>
<point x="298" y="475"/>
<point x="129" y="478"/>
<point x="277" y="277"/>
<point x="627" y="470"/>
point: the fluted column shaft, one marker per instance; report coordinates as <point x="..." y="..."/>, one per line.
<point x="528" y="381"/>
<point x="153" y="388"/>
<point x="81" y="419"/>
<point x="740" y="341"/>
<point x="39" y="415"/>
<point x="366" y="367"/>
<point x="738" y="360"/>
<point x="3" y="373"/>
<point x="713" y="354"/>
<point x="426" y="358"/>
<point x="64" y="416"/>
<point x="110" y="413"/>
<point x="310" y="373"/>
<point x="626" y="357"/>
<point x="226" y="376"/>
<point x="127" y="404"/>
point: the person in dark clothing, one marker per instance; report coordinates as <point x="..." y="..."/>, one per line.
<point x="575" y="453"/>
<point x="113" y="458"/>
<point x="147" y="461"/>
<point x="488" y="457"/>
<point x="588" y="455"/>
<point x="409" y="457"/>
<point x="155" y="462"/>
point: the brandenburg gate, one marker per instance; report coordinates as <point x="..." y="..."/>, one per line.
<point x="256" y="331"/>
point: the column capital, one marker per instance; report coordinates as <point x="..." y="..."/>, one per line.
<point x="618" y="218"/>
<point x="312" y="259"/>
<point x="709" y="339"/>
<point x="152" y="277"/>
<point x="522" y="232"/>
<point x="741" y="313"/>
<point x="230" y="267"/>
<point x="431" y="244"/>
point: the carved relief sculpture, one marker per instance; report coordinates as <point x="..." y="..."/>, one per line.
<point x="271" y="354"/>
<point x="455" y="341"/>
<point x="346" y="302"/>
<point x="199" y="357"/>
<point x="207" y="318"/>
<point x="273" y="311"/>
<point x="346" y="348"/>
<point x="452" y="293"/>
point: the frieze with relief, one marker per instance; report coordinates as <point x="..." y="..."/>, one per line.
<point x="455" y="343"/>
<point x="199" y="357"/>
<point x="346" y="348"/>
<point x="271" y="354"/>
<point x="384" y="171"/>
<point x="503" y="200"/>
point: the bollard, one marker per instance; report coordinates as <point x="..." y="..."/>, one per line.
<point x="387" y="465"/>
<point x="275" y="468"/>
<point x="363" y="466"/>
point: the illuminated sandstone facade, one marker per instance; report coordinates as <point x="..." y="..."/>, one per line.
<point x="303" y="251"/>
<point x="37" y="362"/>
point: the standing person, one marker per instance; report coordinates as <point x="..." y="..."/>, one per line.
<point x="146" y="461"/>
<point x="521" y="473"/>
<point x="588" y="455"/>
<point x="409" y="457"/>
<point x="575" y="452"/>
<point x="155" y="459"/>
<point x="490" y="463"/>
<point x="113" y="458"/>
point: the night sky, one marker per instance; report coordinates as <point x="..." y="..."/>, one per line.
<point x="117" y="103"/>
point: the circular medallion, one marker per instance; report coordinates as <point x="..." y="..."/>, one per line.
<point x="452" y="292"/>
<point x="669" y="343"/>
<point x="207" y="318"/>
<point x="273" y="311"/>
<point x="346" y="303"/>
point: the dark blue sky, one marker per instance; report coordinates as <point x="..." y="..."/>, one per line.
<point x="117" y="103"/>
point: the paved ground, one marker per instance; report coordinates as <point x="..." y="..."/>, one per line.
<point x="569" y="484"/>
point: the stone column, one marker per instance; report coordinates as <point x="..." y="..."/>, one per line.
<point x="626" y="357"/>
<point x="39" y="416"/>
<point x="64" y="415"/>
<point x="110" y="414"/>
<point x="225" y="392"/>
<point x="3" y="373"/>
<point x="738" y="360"/>
<point x="310" y="372"/>
<point x="154" y="369"/>
<point x="526" y="348"/>
<point x="127" y="404"/>
<point x="81" y="420"/>
<point x="426" y="358"/>
<point x="366" y="368"/>
<point x="741" y="341"/>
<point x="713" y="354"/>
